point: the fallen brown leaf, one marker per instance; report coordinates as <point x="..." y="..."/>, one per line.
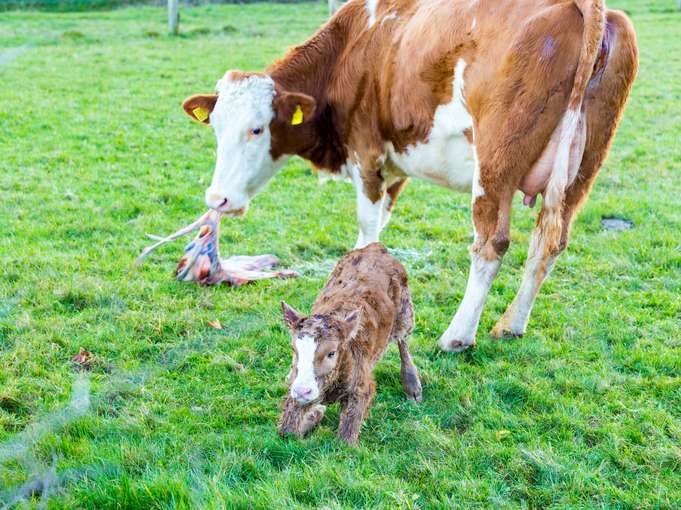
<point x="215" y="324"/>
<point x="84" y="359"/>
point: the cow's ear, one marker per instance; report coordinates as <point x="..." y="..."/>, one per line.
<point x="291" y="316"/>
<point x="294" y="108"/>
<point x="198" y="107"/>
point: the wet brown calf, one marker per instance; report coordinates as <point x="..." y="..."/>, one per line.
<point x="364" y="306"/>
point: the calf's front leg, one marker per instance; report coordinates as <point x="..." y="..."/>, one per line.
<point x="299" y="420"/>
<point x="354" y="409"/>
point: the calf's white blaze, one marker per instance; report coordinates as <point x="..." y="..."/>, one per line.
<point x="243" y="163"/>
<point x="446" y="157"/>
<point x="305" y="376"/>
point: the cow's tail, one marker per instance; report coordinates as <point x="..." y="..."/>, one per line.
<point x="550" y="219"/>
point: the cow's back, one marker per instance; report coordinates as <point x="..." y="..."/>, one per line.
<point x="401" y="55"/>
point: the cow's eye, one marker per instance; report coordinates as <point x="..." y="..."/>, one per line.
<point x="331" y="355"/>
<point x="256" y="131"/>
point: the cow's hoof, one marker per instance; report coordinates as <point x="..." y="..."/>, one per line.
<point x="503" y="329"/>
<point x="455" y="345"/>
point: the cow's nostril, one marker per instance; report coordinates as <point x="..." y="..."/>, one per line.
<point x="215" y="200"/>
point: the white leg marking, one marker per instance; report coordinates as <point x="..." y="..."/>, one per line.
<point x="461" y="332"/>
<point x="305" y="378"/>
<point x="446" y="157"/>
<point x="369" y="214"/>
<point x="537" y="269"/>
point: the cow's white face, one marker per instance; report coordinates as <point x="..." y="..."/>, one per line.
<point x="252" y="120"/>
<point x="241" y="121"/>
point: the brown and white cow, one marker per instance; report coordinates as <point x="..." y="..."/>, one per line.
<point x="488" y="96"/>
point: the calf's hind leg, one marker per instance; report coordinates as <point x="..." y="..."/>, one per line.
<point x="404" y="325"/>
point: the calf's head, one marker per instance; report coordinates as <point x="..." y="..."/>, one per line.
<point x="319" y="351"/>
<point x="257" y="123"/>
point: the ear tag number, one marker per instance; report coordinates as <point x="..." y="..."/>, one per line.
<point x="297" y="116"/>
<point x="200" y="113"/>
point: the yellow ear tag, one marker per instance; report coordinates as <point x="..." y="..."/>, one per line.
<point x="297" y="116"/>
<point x="200" y="113"/>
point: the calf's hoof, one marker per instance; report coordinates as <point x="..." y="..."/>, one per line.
<point x="412" y="387"/>
<point x="312" y="418"/>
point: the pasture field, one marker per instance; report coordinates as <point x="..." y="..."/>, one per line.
<point x="95" y="151"/>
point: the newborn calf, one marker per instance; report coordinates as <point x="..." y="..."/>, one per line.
<point x="365" y="304"/>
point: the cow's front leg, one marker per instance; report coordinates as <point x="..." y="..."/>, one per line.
<point x="491" y="221"/>
<point x="370" y="207"/>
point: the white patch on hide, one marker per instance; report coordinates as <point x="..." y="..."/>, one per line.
<point x="446" y="157"/>
<point x="371" y="6"/>
<point x="392" y="15"/>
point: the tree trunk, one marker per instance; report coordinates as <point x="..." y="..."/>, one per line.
<point x="173" y="17"/>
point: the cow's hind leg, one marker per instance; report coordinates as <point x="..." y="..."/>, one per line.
<point x="522" y="112"/>
<point x="604" y="104"/>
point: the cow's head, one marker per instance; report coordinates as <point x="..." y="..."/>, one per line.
<point x="257" y="124"/>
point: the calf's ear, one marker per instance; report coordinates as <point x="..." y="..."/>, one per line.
<point x="291" y="316"/>
<point x="198" y="107"/>
<point x="294" y="108"/>
<point x="352" y="322"/>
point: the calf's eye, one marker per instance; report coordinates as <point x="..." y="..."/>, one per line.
<point x="256" y="131"/>
<point x="331" y="355"/>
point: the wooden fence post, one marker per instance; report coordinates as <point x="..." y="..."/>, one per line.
<point x="173" y="17"/>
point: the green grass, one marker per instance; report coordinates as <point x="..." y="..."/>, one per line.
<point x="583" y="412"/>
